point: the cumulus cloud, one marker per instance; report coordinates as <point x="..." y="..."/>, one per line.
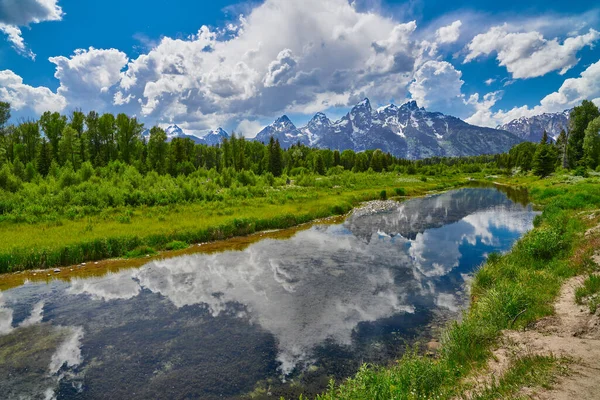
<point x="88" y="73"/>
<point x="14" y="14"/>
<point x="25" y="97"/>
<point x="25" y="12"/>
<point x="570" y="94"/>
<point x="437" y="83"/>
<point x="529" y="54"/>
<point x="248" y="128"/>
<point x="450" y="33"/>
<point x="281" y="54"/>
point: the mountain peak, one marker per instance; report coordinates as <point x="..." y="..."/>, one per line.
<point x="283" y="123"/>
<point x="363" y="105"/>
<point x="410" y="105"/>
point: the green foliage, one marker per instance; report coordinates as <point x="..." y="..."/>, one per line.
<point x="383" y="195"/>
<point x="591" y="144"/>
<point x="400" y="191"/>
<point x="580" y="118"/>
<point x="589" y="292"/>
<point x="176" y="245"/>
<point x="140" y="251"/>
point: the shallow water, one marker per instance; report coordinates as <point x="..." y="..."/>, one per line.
<point x="280" y="316"/>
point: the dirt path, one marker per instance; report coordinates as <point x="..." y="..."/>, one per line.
<point x="572" y="332"/>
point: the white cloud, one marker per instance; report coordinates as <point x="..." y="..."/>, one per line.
<point x="489" y="81"/>
<point x="282" y="54"/>
<point x="570" y="94"/>
<point x="437" y="83"/>
<point x="25" y="97"/>
<point x="14" y="14"/>
<point x="88" y="73"/>
<point x="529" y="54"/>
<point x="483" y="112"/>
<point x="16" y="40"/>
<point x="249" y="128"/>
<point x="25" y="12"/>
<point x="280" y="70"/>
<point x="450" y="33"/>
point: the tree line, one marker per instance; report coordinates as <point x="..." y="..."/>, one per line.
<point x="576" y="148"/>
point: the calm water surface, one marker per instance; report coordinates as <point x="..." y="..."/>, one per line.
<point x="280" y="316"/>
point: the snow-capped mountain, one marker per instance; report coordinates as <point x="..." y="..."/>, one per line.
<point x="406" y="131"/>
<point x="213" y="138"/>
<point x="532" y="128"/>
<point x="173" y="132"/>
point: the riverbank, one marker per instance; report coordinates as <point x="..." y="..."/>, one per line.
<point x="138" y="232"/>
<point x="510" y="293"/>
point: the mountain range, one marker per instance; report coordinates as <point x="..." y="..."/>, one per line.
<point x="406" y="131"/>
<point x="531" y="129"/>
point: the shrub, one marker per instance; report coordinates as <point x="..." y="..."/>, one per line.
<point x="400" y="192"/>
<point x="176" y="245"/>
<point x="543" y="243"/>
<point x="383" y="195"/>
<point x="140" y="251"/>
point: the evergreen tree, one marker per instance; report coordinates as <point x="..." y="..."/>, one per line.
<point x="45" y="158"/>
<point x="544" y="158"/>
<point x="275" y="157"/>
<point x="580" y="118"/>
<point x="319" y="164"/>
<point x="591" y="144"/>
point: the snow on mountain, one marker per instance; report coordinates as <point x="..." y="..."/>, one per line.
<point x="213" y="138"/>
<point x="532" y="128"/>
<point x="407" y="131"/>
<point x="173" y="132"/>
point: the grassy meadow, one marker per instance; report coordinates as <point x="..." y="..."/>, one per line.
<point x="136" y="231"/>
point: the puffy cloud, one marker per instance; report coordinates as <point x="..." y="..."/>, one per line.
<point x="529" y="54"/>
<point x="23" y="13"/>
<point x="25" y="97"/>
<point x="570" y="94"/>
<point x="437" y="83"/>
<point x="483" y="112"/>
<point x="88" y="73"/>
<point x="490" y="81"/>
<point x="450" y="33"/>
<point x="280" y="55"/>
<point x="280" y="70"/>
<point x="249" y="128"/>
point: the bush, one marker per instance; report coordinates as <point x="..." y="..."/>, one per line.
<point x="400" y="192"/>
<point x="383" y="195"/>
<point x="581" y="171"/>
<point x="140" y="251"/>
<point x="176" y="245"/>
<point x="543" y="243"/>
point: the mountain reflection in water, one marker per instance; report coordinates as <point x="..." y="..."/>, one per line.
<point x="212" y="325"/>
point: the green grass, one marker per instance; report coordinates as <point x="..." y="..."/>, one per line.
<point x="509" y="292"/>
<point x="527" y="371"/>
<point x="589" y="293"/>
<point x="116" y="232"/>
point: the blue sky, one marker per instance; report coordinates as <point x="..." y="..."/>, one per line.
<point x="240" y="65"/>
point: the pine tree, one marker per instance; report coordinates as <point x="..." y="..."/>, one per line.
<point x="275" y="157"/>
<point x="544" y="158"/>
<point x="319" y="164"/>
<point x="45" y="158"/>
